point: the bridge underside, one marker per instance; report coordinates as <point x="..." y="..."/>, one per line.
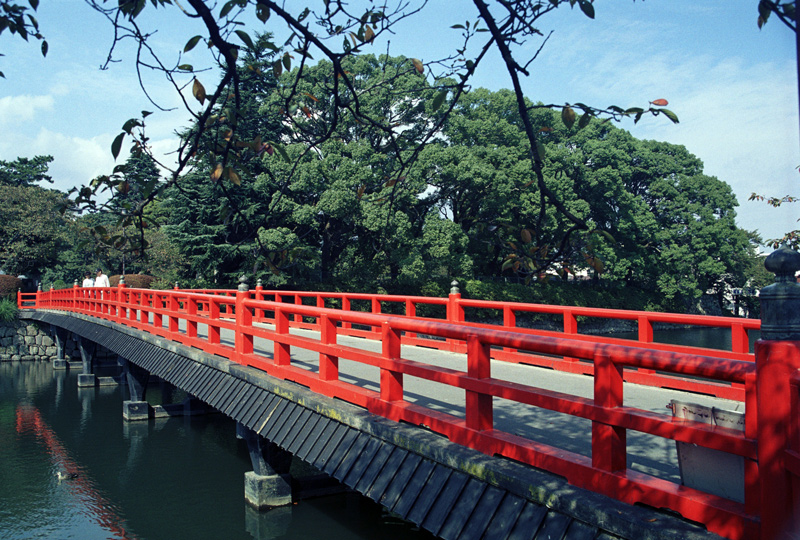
<point x="449" y="490"/>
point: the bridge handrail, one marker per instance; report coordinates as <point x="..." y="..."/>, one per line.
<point x="455" y="312"/>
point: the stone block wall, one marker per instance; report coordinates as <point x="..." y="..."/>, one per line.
<point x="26" y="341"/>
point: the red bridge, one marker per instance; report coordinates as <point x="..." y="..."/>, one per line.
<point x="322" y="340"/>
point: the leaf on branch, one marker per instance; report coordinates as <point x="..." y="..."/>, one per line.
<point x="660" y="102"/>
<point x="116" y="146"/>
<point x="262" y="12"/>
<point x="587" y="8"/>
<point x="191" y="43"/>
<point x="525" y="235"/>
<point x="245" y="37"/>
<point x="217" y="172"/>
<point x="369" y="33"/>
<point x="233" y="176"/>
<point x="226" y="8"/>
<point x="568" y="116"/>
<point x="418" y="65"/>
<point x="438" y="100"/>
<point x="282" y="151"/>
<point x="671" y="115"/>
<point x="540" y="152"/>
<point x="199" y="91"/>
<point x="584" y="121"/>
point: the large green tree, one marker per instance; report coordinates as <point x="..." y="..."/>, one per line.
<point x="311" y="110"/>
<point x="32" y="229"/>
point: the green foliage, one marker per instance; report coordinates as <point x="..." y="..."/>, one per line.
<point x="25" y="172"/>
<point x="9" y="285"/>
<point x="32" y="228"/>
<point x="8" y="310"/>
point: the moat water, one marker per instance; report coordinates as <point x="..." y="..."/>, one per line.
<point x="176" y="478"/>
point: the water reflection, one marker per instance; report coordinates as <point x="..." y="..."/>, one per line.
<point x="176" y="478"/>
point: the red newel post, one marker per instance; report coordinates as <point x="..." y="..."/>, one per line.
<point x="777" y="359"/>
<point x="259" y="296"/>
<point x="75" y="293"/>
<point x="244" y="321"/>
<point x="122" y="311"/>
<point x="19" y="298"/>
<point x="455" y="313"/>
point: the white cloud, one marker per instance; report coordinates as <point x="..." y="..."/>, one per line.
<point x="76" y="160"/>
<point x="16" y="109"/>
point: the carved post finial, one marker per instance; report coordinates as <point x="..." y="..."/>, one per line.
<point x="258" y="283"/>
<point x="122" y="279"/>
<point x="243" y="287"/>
<point x="454" y="287"/>
<point x="780" y="302"/>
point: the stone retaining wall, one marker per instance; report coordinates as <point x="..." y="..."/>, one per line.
<point x="26" y="341"/>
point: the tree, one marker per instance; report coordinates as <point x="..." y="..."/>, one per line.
<point x="314" y="118"/>
<point x="32" y="229"/>
<point x="25" y="172"/>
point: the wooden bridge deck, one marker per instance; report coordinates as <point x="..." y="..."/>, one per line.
<point x="445" y="488"/>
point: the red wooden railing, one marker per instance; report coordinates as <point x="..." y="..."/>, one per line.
<point x="454" y="309"/>
<point x="767" y="382"/>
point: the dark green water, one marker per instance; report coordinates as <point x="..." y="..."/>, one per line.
<point x="176" y="478"/>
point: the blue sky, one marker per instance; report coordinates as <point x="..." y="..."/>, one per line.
<point x="733" y="86"/>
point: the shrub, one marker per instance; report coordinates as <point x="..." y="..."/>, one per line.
<point x="8" y="310"/>
<point x="135" y="281"/>
<point x="9" y="285"/>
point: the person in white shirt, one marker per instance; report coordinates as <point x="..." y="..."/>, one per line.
<point x="101" y="280"/>
<point x="87" y="280"/>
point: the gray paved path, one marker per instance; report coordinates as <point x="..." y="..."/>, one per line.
<point x="646" y="453"/>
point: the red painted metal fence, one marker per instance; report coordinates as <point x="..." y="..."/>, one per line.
<point x="767" y="382"/>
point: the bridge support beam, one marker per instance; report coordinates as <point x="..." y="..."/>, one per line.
<point x="136" y="409"/>
<point x="60" y="337"/>
<point x="269" y="484"/>
<point x="88" y="350"/>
